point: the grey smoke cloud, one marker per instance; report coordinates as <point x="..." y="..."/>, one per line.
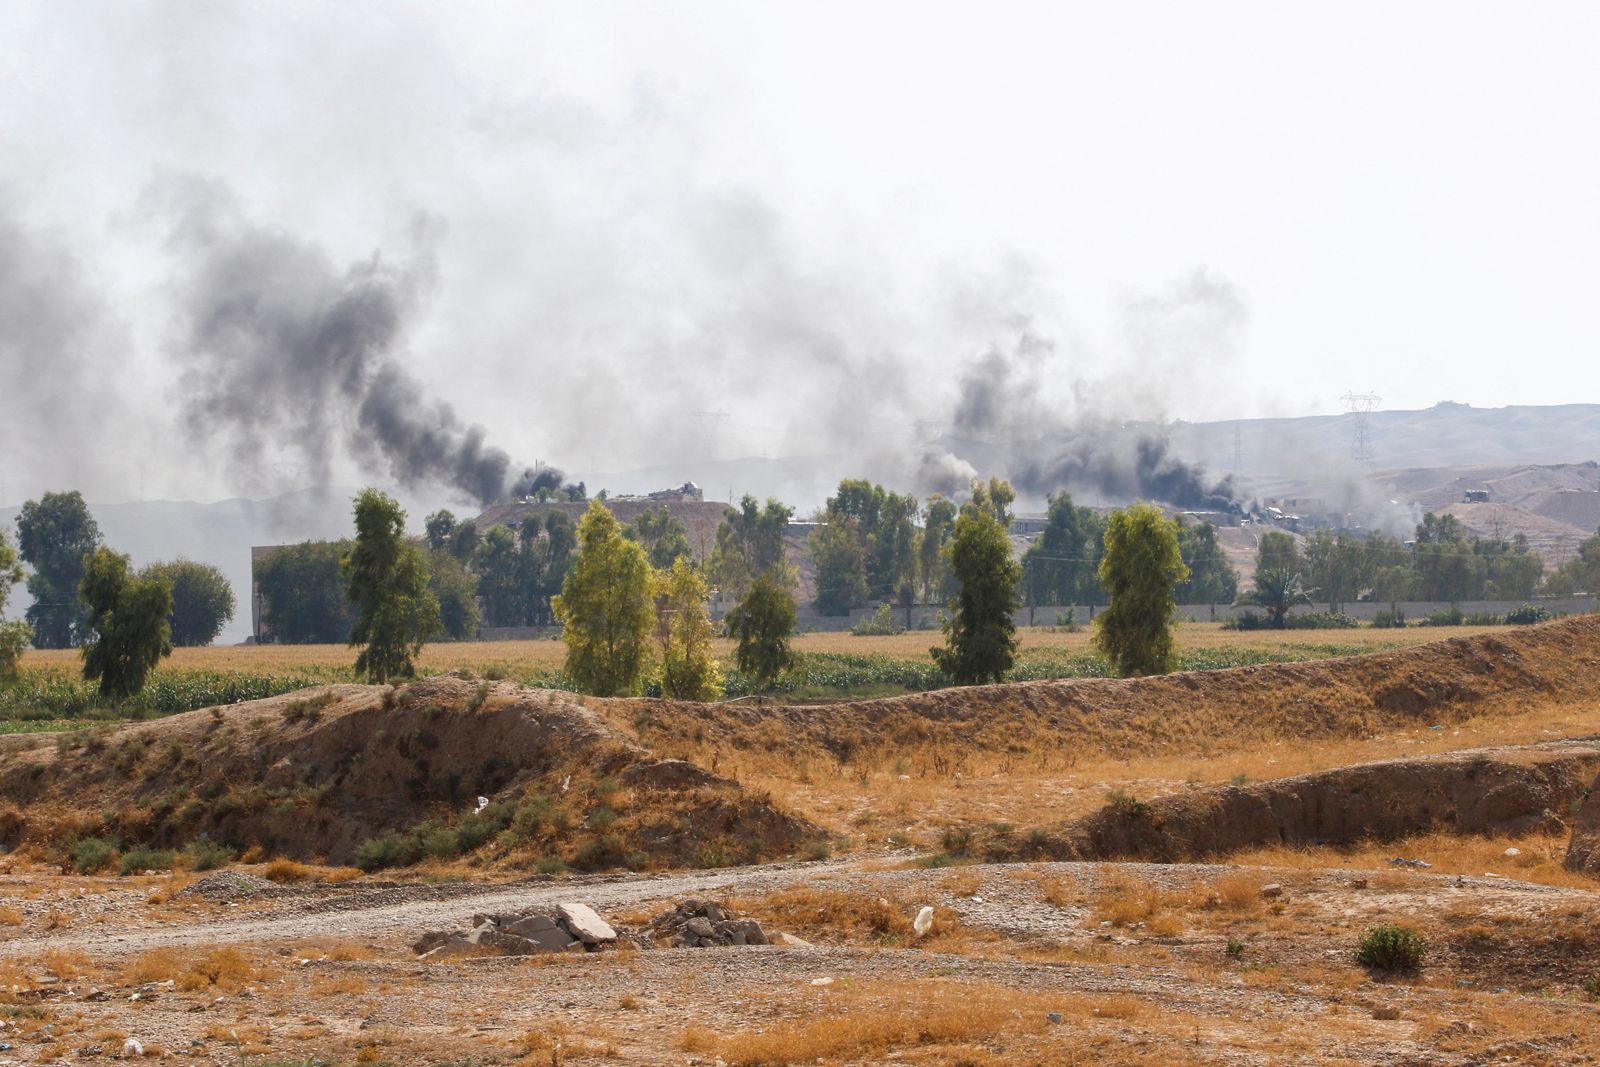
<point x="1022" y="412"/>
<point x="287" y="353"/>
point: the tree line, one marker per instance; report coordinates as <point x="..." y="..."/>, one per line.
<point x="88" y="596"/>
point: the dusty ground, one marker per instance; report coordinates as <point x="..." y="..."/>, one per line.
<point x="1135" y="959"/>
<point x="1139" y="962"/>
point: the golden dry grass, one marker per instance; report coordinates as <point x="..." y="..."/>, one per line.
<point x="1538" y="859"/>
<point x="481" y="656"/>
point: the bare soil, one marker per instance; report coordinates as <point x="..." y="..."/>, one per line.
<point x="1246" y="958"/>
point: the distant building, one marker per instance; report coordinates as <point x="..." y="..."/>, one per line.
<point x="1475" y="496"/>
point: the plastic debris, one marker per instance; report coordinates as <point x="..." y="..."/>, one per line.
<point x="1054" y="1016"/>
<point x="1401" y="861"/>
<point x="133" y="1047"/>
<point x="821" y="981"/>
<point x="483" y="802"/>
<point x="923" y="922"/>
<point x="1512" y="851"/>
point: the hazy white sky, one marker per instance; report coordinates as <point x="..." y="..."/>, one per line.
<point x="815" y="215"/>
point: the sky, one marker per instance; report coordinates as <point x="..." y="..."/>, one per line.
<point x="246" y="248"/>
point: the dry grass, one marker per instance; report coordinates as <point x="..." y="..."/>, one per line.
<point x="486" y="656"/>
<point x="832" y="915"/>
<point x="877" y="1018"/>
<point x="226" y="969"/>
<point x="1538" y="859"/>
<point x="10" y="916"/>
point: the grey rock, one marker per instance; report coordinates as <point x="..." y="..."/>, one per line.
<point x="699" y="926"/>
<point x="430" y="941"/>
<point x="746" y="932"/>
<point x="552" y="940"/>
<point x="529" y="925"/>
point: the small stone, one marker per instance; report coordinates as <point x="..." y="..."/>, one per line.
<point x="1512" y="851"/>
<point x="426" y="943"/>
<point x="821" y="981"/>
<point x="1272" y="889"/>
<point x="1054" y="1017"/>
<point x="699" y="926"/>
<point x="1386" y="1014"/>
<point x="787" y="940"/>
<point x="133" y="1047"/>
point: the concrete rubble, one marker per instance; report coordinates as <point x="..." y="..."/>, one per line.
<point x="568" y="927"/>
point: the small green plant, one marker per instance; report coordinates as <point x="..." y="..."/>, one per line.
<point x="479" y="695"/>
<point x="956" y="840"/>
<point x="1591" y="987"/>
<point x="387" y="850"/>
<point x="881" y="623"/>
<point x="1390" y="948"/>
<point x="1527" y="615"/>
<point x="1445" y="617"/>
<point x="820" y="849"/>
<point x="144" y="858"/>
<point x="1127" y="805"/>
<point x="1386" y="619"/>
<point x="93" y="854"/>
<point x="1235" y="949"/>
<point x="551" y="865"/>
<point x="1240" y="779"/>
<point x="205" y="854"/>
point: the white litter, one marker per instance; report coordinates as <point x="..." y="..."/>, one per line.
<point x="923" y="922"/>
<point x="483" y="802"/>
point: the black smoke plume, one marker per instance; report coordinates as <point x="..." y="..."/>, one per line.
<point x="290" y="356"/>
<point x="536" y="478"/>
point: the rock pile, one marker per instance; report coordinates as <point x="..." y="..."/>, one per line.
<point x="705" y="924"/>
<point x="568" y="927"/>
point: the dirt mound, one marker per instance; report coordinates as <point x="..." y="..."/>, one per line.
<point x="1494" y="791"/>
<point x="385" y="777"/>
<point x="1583" y="854"/>
<point x="1191" y="712"/>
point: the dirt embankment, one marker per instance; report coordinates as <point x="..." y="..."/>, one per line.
<point x="1196" y="712"/>
<point x="1509" y="791"/>
<point x="316" y="773"/>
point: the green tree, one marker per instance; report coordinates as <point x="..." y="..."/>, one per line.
<point x="750" y="543"/>
<point x="840" y="556"/>
<point x="14" y="635"/>
<point x="498" y="564"/>
<point x="1140" y="571"/>
<point x="1580" y="574"/>
<point x="202" y="600"/>
<point x="1212" y="578"/>
<point x="1338" y="566"/>
<point x="662" y="535"/>
<point x="303" y="594"/>
<point x="1059" y="567"/>
<point x="559" y="548"/>
<point x="55" y="535"/>
<point x="438" y="528"/>
<point x="689" y="669"/>
<point x="464" y="540"/>
<point x="1277" y="589"/>
<point x="387" y="579"/>
<point x="457" y="592"/>
<point x="128" y="629"/>
<point x="762" y="624"/>
<point x="980" y="633"/>
<point x="938" y="520"/>
<point x="996" y="498"/>
<point x="1512" y="569"/>
<point x="1280" y="550"/>
<point x="605" y="608"/>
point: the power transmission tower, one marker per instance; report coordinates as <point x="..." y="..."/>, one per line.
<point x="1361" y="405"/>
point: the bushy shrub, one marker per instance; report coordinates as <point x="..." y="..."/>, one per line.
<point x="1322" y="620"/>
<point x="1445" y="617"/>
<point x="388" y="850"/>
<point x="93" y="854"/>
<point x="1396" y="949"/>
<point x="881" y="623"/>
<point x="1389" y="620"/>
<point x="205" y="854"/>
<point x="144" y="858"/>
<point x="1484" y="618"/>
<point x="1527" y="615"/>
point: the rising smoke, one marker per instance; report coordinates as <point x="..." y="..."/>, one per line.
<point x="288" y="354"/>
<point x="1022" y="413"/>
